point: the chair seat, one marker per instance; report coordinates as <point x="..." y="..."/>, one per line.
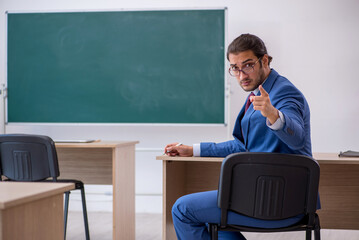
<point x="78" y="184"/>
<point x="299" y="226"/>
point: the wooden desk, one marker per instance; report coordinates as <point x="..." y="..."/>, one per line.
<point x="339" y="187"/>
<point x="105" y="163"/>
<point x="32" y="211"/>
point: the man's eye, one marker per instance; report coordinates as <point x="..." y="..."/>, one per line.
<point x="248" y="65"/>
<point x="235" y="68"/>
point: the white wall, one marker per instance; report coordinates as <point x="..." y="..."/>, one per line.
<point x="313" y="43"/>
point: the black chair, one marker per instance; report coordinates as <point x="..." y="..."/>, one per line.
<point x="31" y="158"/>
<point x="269" y="186"/>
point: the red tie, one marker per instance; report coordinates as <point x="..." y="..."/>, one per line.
<point x="248" y="103"/>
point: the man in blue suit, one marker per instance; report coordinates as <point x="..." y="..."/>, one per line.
<point x="275" y="118"/>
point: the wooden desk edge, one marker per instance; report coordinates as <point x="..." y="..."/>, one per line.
<point x="189" y="159"/>
<point x="60" y="188"/>
<point x="322" y="158"/>
<point x="100" y="144"/>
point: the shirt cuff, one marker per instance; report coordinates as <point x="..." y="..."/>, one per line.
<point x="278" y="124"/>
<point x="196" y="150"/>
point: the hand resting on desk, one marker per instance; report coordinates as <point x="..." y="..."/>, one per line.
<point x="176" y="149"/>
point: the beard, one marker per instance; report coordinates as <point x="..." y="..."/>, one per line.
<point x="255" y="82"/>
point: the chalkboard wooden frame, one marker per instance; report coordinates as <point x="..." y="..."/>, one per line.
<point x="199" y="100"/>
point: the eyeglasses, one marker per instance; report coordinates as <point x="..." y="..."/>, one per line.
<point x="247" y="69"/>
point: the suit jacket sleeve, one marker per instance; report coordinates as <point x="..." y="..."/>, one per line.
<point x="221" y="149"/>
<point x="296" y="114"/>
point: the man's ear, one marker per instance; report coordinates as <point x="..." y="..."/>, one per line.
<point x="265" y="60"/>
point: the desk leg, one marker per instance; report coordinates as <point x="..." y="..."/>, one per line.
<point x="124" y="193"/>
<point x="173" y="187"/>
<point x="181" y="178"/>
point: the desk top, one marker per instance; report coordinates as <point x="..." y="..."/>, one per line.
<point x="97" y="144"/>
<point x="190" y="159"/>
<point x="327" y="158"/>
<point x="15" y="193"/>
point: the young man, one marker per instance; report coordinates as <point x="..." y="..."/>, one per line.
<point x="275" y="118"/>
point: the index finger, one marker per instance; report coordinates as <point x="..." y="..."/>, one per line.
<point x="170" y="145"/>
<point x="263" y="92"/>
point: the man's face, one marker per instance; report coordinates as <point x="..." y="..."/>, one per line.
<point x="250" y="81"/>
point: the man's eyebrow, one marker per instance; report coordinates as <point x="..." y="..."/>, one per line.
<point x="248" y="60"/>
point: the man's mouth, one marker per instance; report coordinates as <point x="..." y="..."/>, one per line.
<point x="245" y="82"/>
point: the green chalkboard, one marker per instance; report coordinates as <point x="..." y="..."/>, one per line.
<point x="116" y="67"/>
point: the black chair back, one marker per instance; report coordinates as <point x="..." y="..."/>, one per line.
<point x="28" y="157"/>
<point x="268" y="186"/>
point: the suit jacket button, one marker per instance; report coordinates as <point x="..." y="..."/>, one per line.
<point x="290" y="131"/>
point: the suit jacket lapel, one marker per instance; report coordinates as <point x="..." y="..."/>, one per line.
<point x="237" y="130"/>
<point x="268" y="84"/>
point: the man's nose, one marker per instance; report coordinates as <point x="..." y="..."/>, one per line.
<point x="242" y="76"/>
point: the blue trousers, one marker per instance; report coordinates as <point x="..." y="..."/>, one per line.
<point x="192" y="212"/>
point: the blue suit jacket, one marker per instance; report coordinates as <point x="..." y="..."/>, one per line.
<point x="252" y="134"/>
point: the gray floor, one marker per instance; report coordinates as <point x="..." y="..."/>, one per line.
<point x="148" y="227"/>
